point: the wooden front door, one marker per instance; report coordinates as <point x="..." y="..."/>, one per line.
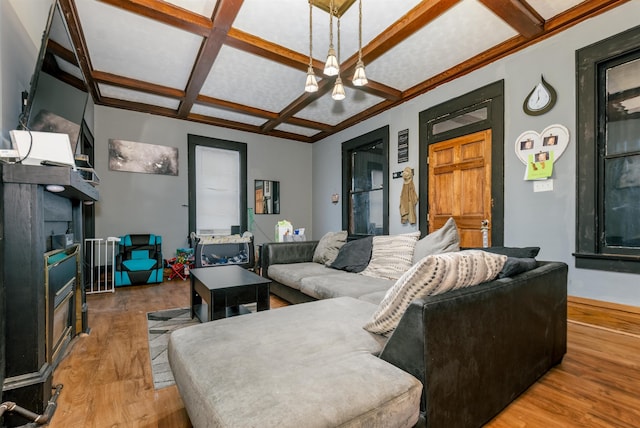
<point x="460" y="185"/>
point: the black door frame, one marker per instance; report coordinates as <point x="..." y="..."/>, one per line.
<point x="491" y="96"/>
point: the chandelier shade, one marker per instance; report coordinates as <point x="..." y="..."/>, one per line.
<point x="311" y="84"/>
<point x="331" y="67"/>
<point x="359" y="77"/>
<point x="338" y="90"/>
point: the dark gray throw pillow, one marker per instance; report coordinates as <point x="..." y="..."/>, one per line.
<point x="518" y="252"/>
<point x="516" y="265"/>
<point x="354" y="256"/>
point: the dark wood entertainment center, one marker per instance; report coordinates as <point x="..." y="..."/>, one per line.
<point x="31" y="215"/>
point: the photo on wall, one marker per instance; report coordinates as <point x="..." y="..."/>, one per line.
<point x="130" y="156"/>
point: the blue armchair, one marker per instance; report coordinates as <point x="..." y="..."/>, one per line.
<point x="139" y="260"/>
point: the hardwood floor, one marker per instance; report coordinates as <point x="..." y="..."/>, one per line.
<point x="107" y="374"/>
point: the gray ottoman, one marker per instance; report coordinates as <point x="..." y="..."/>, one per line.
<point x="307" y="365"/>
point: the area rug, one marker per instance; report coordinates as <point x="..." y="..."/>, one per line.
<point x="160" y="324"/>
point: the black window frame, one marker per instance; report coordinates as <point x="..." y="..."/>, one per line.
<point x="196" y="140"/>
<point x="348" y="147"/>
<point x="590" y="252"/>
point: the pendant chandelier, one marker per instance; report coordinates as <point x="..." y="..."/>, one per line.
<point x="332" y="64"/>
<point x="311" y="84"/>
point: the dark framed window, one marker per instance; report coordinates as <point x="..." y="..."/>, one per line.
<point x="365" y="181"/>
<point x="217" y="185"/>
<point x="608" y="154"/>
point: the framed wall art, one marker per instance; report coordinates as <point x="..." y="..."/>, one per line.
<point x="130" y="156"/>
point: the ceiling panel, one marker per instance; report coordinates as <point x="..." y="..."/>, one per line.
<point x="326" y="110"/>
<point x="137" y="47"/>
<point x="248" y="79"/>
<point x="550" y="8"/>
<point x="245" y="68"/>
<point x="292" y="16"/>
<point x="308" y="132"/>
<point x="227" y="115"/>
<point x="465" y="30"/>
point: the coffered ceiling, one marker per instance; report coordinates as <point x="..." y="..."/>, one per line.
<point x="242" y="64"/>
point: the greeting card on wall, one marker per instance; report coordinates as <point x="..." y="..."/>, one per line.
<point x="539" y="151"/>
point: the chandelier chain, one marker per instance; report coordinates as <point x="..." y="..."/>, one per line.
<point x="360" y="30"/>
<point x="330" y="24"/>
<point x="310" y="33"/>
<point x="338" y="41"/>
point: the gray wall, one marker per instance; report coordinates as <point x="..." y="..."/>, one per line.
<point x="545" y="219"/>
<point x="21" y="27"/>
<point x="148" y="203"/>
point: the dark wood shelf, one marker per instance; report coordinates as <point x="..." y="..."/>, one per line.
<point x="74" y="186"/>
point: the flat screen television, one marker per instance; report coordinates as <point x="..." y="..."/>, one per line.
<point x="57" y="95"/>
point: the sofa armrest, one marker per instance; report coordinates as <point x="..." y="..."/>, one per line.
<point x="286" y="252"/>
<point x="476" y="349"/>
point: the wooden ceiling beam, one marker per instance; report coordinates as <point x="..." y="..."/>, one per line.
<point x="235" y="107"/>
<point x="519" y="15"/>
<point x="223" y="17"/>
<point x="219" y="31"/>
<point x="50" y="66"/>
<point x="81" y="51"/>
<point x="247" y="128"/>
<point x="273" y="52"/>
<point x="241" y="108"/>
<point x="563" y="21"/>
<point x="166" y="13"/>
<point x="324" y="86"/>
<point x="255" y="45"/>
<point x="411" y="22"/>
<point x="58" y="50"/>
<point x="135" y="106"/>
<point x="136" y="85"/>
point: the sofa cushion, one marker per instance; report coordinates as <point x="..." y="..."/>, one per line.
<point x="443" y="240"/>
<point x="391" y="255"/>
<point x="341" y="284"/>
<point x="434" y="274"/>
<point x="354" y="256"/>
<point x="308" y="365"/>
<point x="328" y="247"/>
<point x="291" y="274"/>
<point x="375" y="297"/>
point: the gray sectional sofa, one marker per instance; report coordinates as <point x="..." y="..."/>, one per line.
<point x="455" y="359"/>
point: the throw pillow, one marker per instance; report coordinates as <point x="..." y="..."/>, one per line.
<point x="433" y="275"/>
<point x="443" y="240"/>
<point x="328" y="247"/>
<point x="515" y="265"/>
<point x="391" y="256"/>
<point x="354" y="256"/>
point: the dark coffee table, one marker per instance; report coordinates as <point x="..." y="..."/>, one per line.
<point x="219" y="292"/>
